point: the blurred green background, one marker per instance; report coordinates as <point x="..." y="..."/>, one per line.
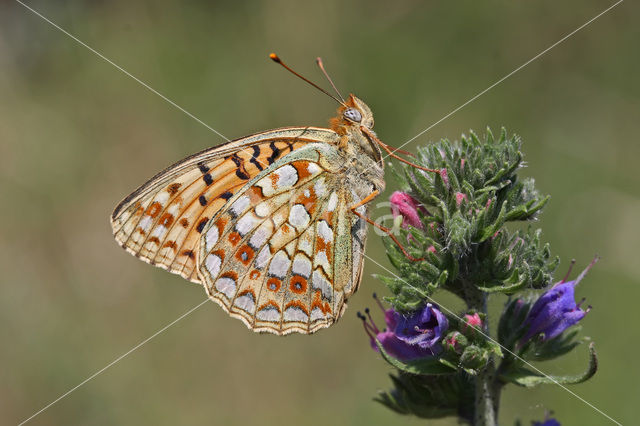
<point x="77" y="135"/>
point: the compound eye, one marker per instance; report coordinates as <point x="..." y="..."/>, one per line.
<point x="353" y="115"/>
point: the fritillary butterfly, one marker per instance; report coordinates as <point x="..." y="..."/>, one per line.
<point x="273" y="224"/>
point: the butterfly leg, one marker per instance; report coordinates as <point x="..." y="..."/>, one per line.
<point x="391" y="150"/>
<point x="386" y="230"/>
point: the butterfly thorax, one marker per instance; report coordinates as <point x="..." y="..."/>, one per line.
<point x="363" y="157"/>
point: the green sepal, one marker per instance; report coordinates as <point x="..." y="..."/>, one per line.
<point x="511" y="324"/>
<point x="511" y="262"/>
<point x="454" y="343"/>
<point x="524" y="377"/>
<point x="558" y="346"/>
<point x="495" y="348"/>
<point x="418" y="182"/>
<point x="473" y="359"/>
<point x="448" y="363"/>
<point x="527" y="211"/>
<point x="506" y="170"/>
<point x="489" y="231"/>
<point x="506" y="289"/>
<point x="459" y="234"/>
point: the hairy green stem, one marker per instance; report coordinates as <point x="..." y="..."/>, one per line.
<point x="487" y="388"/>
<point x="487" y="395"/>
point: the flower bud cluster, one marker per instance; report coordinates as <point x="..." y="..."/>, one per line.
<point x="455" y="222"/>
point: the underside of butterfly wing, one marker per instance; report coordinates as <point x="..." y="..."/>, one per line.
<point x="285" y="253"/>
<point x="162" y="221"/>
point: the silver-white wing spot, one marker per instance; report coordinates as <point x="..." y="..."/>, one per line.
<point x="213" y="263"/>
<point x="246" y="303"/>
<point x="279" y="264"/>
<point x="227" y="286"/>
<point x="211" y="237"/>
<point x="301" y="265"/>
<point x="294" y="313"/>
<point x="240" y="205"/>
<point x="299" y="217"/>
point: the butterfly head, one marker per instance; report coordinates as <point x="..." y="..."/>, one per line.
<point x="354" y="123"/>
<point x="353" y="114"/>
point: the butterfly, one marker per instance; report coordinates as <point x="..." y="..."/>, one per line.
<point x="272" y="224"/>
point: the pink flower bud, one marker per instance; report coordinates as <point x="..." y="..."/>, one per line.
<point x="473" y="320"/>
<point x="403" y="204"/>
<point x="460" y="197"/>
<point x="445" y="177"/>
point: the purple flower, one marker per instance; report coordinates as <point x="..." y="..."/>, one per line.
<point x="407" y="338"/>
<point x="403" y="204"/>
<point x="425" y="328"/>
<point x="556" y="310"/>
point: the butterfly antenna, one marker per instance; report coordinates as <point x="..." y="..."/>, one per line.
<point x="275" y="58"/>
<point x="321" y="66"/>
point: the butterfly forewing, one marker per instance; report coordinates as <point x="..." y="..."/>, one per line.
<point x="161" y="222"/>
<point x="279" y="255"/>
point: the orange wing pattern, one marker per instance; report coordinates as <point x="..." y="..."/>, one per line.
<point x="161" y="222"/>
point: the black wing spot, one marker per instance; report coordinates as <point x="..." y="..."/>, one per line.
<point x="254" y="157"/>
<point x="236" y="160"/>
<point x="275" y="152"/>
<point x="201" y="224"/>
<point x="173" y="188"/>
<point x="207" y="179"/>
<point x="204" y="169"/>
<point x="226" y="195"/>
<point x="240" y="171"/>
<point x="242" y="175"/>
<point x="203" y="200"/>
<point x="289" y="146"/>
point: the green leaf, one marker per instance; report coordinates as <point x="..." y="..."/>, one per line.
<point x="425" y="366"/>
<point x="505" y="289"/>
<point x="524" y="377"/>
<point x="429" y="396"/>
<point x="448" y="363"/>
<point x="558" y="346"/>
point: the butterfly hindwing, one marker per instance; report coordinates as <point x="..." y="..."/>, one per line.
<point x="161" y="222"/>
<point x="285" y="252"/>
